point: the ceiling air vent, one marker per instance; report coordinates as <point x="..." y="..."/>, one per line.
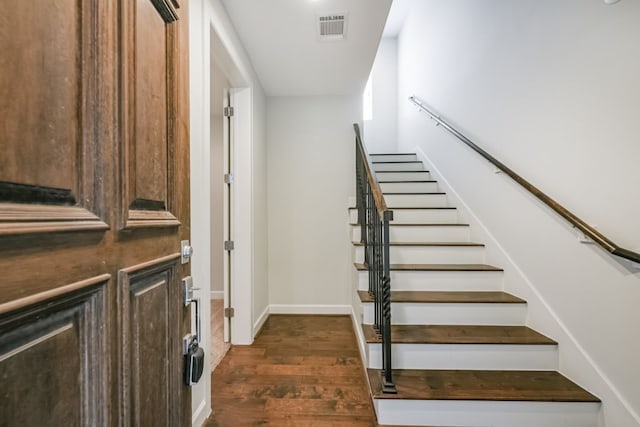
<point x="332" y="27"/>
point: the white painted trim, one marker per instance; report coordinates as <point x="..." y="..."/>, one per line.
<point x="573" y="342"/>
<point x="357" y="329"/>
<point x="486" y="413"/>
<point x="309" y="309"/>
<point x="257" y="326"/>
<point x="242" y="224"/>
<point x="217" y="295"/>
<point x="200" y="415"/>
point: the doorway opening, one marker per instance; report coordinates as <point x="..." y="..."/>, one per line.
<point x="221" y="162"/>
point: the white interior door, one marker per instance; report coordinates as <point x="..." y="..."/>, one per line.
<point x="228" y="204"/>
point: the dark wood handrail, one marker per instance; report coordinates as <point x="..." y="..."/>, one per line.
<point x="588" y="231"/>
<point x="381" y="205"/>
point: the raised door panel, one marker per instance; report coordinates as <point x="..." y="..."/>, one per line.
<point x="148" y="197"/>
<point x="150" y="332"/>
<point x="47" y="143"/>
<point x="53" y="360"/>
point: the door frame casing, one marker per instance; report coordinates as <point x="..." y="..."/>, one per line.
<point x="211" y="35"/>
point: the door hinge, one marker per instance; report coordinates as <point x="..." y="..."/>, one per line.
<point x="229" y="245"/>
<point x="228" y="178"/>
<point x="228" y="111"/>
<point x="229" y="312"/>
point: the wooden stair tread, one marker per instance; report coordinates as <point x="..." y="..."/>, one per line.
<point x="424" y="207"/>
<point x="413" y="207"/>
<point x="422" y="171"/>
<point x="436" y="267"/>
<point x="537" y="386"/>
<point x="401" y="171"/>
<point x="427" y="244"/>
<point x="393" y="154"/>
<point x="405" y="181"/>
<point x="398" y="161"/>
<point x="420" y="193"/>
<point x="454" y="224"/>
<point x="451" y="297"/>
<point x="459" y="334"/>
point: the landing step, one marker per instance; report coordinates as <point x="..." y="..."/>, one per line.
<point x="448" y="297"/>
<point x="460" y="334"/>
<point x="531" y="386"/>
<point x="435" y="267"/>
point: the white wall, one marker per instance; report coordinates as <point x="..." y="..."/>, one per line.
<point x="260" y="212"/>
<point x="310" y="178"/>
<point x="381" y="134"/>
<point x="551" y="89"/>
<point x="212" y="34"/>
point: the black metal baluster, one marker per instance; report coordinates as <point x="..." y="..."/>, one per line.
<point x="374" y="234"/>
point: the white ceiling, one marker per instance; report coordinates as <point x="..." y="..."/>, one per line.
<point x="395" y="21"/>
<point x="281" y="39"/>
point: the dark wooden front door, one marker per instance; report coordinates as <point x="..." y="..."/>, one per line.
<point x="94" y="202"/>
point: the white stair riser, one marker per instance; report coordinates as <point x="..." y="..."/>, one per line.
<point x="486" y="413"/>
<point x="467" y="356"/>
<point x="398" y="167"/>
<point x="430" y="254"/>
<point x="409" y="187"/>
<point x="414" y="313"/>
<point x="393" y="158"/>
<point x="417" y="216"/>
<point x="416" y="200"/>
<point x="403" y="176"/>
<point x="439" y="280"/>
<point x="404" y="234"/>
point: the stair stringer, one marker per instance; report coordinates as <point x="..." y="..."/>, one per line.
<point x="574" y="362"/>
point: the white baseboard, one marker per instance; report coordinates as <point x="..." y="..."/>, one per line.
<point x="217" y="294"/>
<point x="357" y="329"/>
<point x="260" y="322"/>
<point x="309" y="309"/>
<point x="200" y="415"/>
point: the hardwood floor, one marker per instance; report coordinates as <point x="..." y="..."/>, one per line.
<point x="300" y="371"/>
<point x="218" y="347"/>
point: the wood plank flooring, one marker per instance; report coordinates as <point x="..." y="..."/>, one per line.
<point x="300" y="371"/>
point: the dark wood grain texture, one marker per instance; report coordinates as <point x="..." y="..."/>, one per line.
<point x="478" y="297"/>
<point x="427" y="244"/>
<point x="393" y="154"/>
<point x="538" y="386"/>
<point x="47" y="161"/>
<point x="301" y="370"/>
<point x="63" y="73"/>
<point x="460" y="334"/>
<point x="435" y="267"/>
<point x="53" y="360"/>
<point x="149" y="124"/>
<point x="405" y="181"/>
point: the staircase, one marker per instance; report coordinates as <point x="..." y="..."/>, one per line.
<point x="461" y="352"/>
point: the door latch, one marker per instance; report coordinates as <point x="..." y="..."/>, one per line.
<point x="193" y="353"/>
